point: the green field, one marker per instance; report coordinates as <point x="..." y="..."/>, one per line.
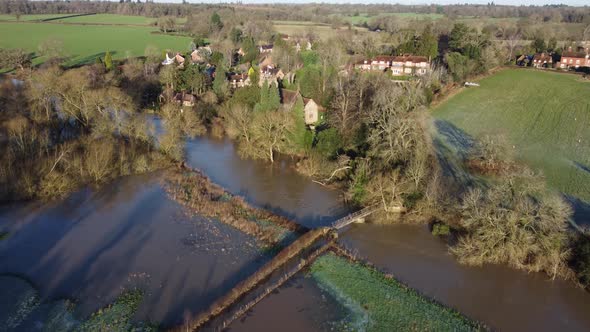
<point x="84" y="44"/>
<point x="300" y="28"/>
<point x="114" y="19"/>
<point x="545" y="116"/>
<point x="378" y="303"/>
<point x="364" y="17"/>
<point x="25" y="18"/>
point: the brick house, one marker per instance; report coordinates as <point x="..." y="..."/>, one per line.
<point x="403" y="65"/>
<point x="542" y="60"/>
<point x="571" y="59"/>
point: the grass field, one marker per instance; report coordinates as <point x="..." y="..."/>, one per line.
<point x="25" y="18"/>
<point x="83" y="45"/>
<point x="364" y="17"/>
<point x="323" y="31"/>
<point x="545" y="116"/>
<point x="114" y="19"/>
<point x="383" y="304"/>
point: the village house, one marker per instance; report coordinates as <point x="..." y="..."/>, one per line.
<point x="542" y="60"/>
<point x="265" y="48"/>
<point x="200" y="54"/>
<point x="239" y="80"/>
<point x="270" y="74"/>
<point x="410" y="65"/>
<point x="313" y="113"/>
<point x="403" y="65"/>
<point x="186" y="99"/>
<point x="572" y="59"/>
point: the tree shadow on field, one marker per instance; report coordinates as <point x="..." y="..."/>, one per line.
<point x="581" y="209"/>
<point x="74" y="61"/>
<point x="452" y="146"/>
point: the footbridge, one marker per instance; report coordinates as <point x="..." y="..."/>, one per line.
<point x="357" y="216"/>
<point x="288" y="262"/>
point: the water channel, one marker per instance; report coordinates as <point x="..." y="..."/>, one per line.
<point x="94" y="243"/>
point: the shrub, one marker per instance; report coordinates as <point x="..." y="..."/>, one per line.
<point x="581" y="260"/>
<point x="515" y="221"/>
<point x="440" y="229"/>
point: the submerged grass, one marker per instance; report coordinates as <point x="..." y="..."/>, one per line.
<point x="379" y="303"/>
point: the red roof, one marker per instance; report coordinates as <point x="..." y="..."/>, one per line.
<point x="573" y="55"/>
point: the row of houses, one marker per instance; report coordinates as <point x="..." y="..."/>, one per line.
<point x="569" y="59"/>
<point x="402" y="65"/>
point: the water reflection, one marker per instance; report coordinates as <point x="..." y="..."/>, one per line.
<point x="94" y="244"/>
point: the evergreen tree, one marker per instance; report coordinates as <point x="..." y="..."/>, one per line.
<point x="274" y="98"/>
<point x="220" y="82"/>
<point x="108" y="61"/>
<point x="263" y="104"/>
<point x="300" y="135"/>
<point x="216" y="23"/>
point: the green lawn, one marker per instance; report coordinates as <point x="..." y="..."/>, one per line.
<point x="378" y="303"/>
<point x="84" y="44"/>
<point x="545" y="116"/>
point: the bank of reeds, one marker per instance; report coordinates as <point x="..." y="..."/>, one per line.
<point x="245" y="286"/>
<point x="203" y="197"/>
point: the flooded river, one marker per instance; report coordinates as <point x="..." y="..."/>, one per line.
<point x="92" y="244"/>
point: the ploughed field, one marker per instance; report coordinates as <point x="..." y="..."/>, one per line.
<point x="83" y="45"/>
<point x="545" y="116"/>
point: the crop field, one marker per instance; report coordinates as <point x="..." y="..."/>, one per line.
<point x="544" y="115"/>
<point x="85" y="45"/>
<point x="378" y="303"/>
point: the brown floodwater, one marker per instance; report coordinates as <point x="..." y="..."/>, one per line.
<point x="276" y="187"/>
<point x="94" y="243"/>
<point x="503" y="298"/>
<point x="299" y="305"/>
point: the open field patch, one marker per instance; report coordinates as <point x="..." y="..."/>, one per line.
<point x="365" y="17"/>
<point x="109" y="19"/>
<point x="85" y="45"/>
<point x="27" y="18"/>
<point x="544" y="115"/>
<point x="323" y="31"/>
<point x="379" y="303"/>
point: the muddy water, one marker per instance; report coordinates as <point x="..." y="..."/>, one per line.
<point x="93" y="244"/>
<point x="299" y="305"/>
<point x="277" y="187"/>
<point x="502" y="298"/>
